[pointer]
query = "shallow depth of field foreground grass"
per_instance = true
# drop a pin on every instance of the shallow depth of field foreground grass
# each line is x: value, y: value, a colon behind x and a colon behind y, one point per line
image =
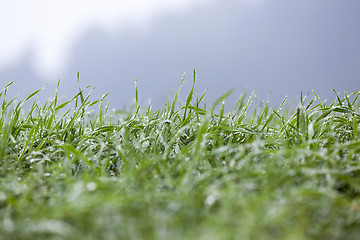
x: 187, y: 171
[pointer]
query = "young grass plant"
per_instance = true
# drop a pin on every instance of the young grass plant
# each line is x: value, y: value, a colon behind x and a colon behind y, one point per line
x: 186, y: 171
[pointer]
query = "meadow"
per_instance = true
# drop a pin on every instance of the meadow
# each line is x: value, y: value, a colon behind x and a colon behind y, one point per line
x: 75, y: 169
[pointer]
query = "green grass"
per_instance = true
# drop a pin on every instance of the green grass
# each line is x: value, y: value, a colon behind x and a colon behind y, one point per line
x: 189, y: 170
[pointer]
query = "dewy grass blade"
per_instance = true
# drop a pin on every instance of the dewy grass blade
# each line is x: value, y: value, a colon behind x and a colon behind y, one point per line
x: 357, y: 93
x: 56, y: 94
x: 243, y: 110
x: 80, y: 91
x: 137, y: 104
x: 34, y: 93
x: 338, y: 98
x: 222, y: 98
x: 174, y: 102
x: 347, y: 99
x: 320, y: 102
x: 62, y: 105
x: 190, y: 96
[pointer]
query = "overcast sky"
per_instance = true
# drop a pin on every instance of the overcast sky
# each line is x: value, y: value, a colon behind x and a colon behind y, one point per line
x: 279, y: 47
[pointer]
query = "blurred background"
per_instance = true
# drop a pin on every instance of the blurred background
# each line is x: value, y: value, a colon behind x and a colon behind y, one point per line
x: 278, y: 47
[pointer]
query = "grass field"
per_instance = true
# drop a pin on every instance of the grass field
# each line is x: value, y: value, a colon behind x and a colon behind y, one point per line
x: 190, y: 170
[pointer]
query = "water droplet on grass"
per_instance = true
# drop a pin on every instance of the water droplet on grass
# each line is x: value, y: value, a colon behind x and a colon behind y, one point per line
x: 91, y: 186
x: 2, y: 196
x: 210, y: 200
x: 8, y: 225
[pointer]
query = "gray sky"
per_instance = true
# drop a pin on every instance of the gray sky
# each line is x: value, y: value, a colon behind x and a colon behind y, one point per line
x: 279, y: 47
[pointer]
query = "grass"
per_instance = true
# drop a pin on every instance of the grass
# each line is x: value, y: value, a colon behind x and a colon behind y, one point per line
x: 187, y: 171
